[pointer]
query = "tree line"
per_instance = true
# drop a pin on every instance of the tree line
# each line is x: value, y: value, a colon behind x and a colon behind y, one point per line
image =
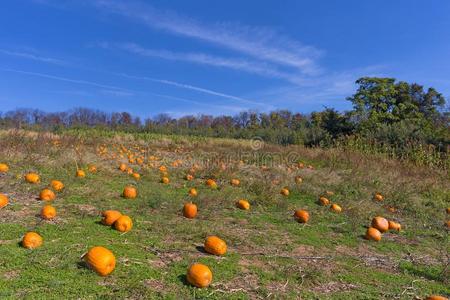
x: 385, y: 111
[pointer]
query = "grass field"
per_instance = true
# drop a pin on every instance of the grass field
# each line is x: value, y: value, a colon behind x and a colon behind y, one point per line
x: 270, y: 255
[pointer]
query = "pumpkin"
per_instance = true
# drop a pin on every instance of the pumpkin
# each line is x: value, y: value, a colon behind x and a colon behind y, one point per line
x: 189, y: 177
x: 101, y: 260
x: 31, y: 240
x: 199, y: 275
x: 129, y: 171
x: 92, y: 168
x: 380, y: 223
x: 193, y: 192
x: 301, y: 165
x: 298, y: 180
x: 436, y: 297
x: 235, y: 182
x: 243, y: 204
x: 301, y: 216
x: 136, y: 176
x: 48, y: 212
x: 47, y: 195
x: 394, y: 225
x: 129, y: 192
x: 336, y: 208
x: 284, y: 192
x: 324, y: 201
x: 123, y: 224
x: 378, y: 197
x: 216, y: 246
x: 4, y: 168
x: 162, y: 169
x: 80, y: 173
x: 189, y: 210
x: 448, y: 224
x: 32, y: 178
x: 122, y: 167
x: 3, y: 200
x: 211, y: 183
x: 448, y: 210
x: 165, y: 180
x: 110, y: 216
x: 57, y: 185
x: 373, y: 234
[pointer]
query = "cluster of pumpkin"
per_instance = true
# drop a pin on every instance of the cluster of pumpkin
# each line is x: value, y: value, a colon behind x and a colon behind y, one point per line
x: 380, y: 225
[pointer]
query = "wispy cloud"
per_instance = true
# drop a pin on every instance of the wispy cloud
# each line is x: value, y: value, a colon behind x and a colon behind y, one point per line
x: 222, y: 108
x: 261, y: 43
x: 77, y: 81
x: 254, y: 67
x: 32, y: 56
x: 194, y: 88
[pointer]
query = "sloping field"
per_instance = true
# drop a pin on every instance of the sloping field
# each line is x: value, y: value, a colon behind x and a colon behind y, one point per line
x: 270, y: 254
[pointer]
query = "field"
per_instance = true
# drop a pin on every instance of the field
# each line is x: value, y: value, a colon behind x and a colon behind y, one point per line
x: 270, y: 254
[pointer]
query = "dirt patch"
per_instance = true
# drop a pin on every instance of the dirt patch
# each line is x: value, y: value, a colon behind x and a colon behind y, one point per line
x: 333, y: 287
x: 10, y: 275
x: 154, y: 285
x: 247, y: 283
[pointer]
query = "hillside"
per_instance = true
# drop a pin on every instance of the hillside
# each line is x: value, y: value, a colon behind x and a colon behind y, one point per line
x: 270, y: 255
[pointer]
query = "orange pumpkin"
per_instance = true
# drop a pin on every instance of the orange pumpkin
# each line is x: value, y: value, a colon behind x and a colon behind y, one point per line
x: 394, y: 225
x: 32, y: 178
x: 324, y: 201
x: 3, y: 200
x: 129, y: 192
x: 336, y: 208
x: 301, y: 216
x: 298, y: 180
x: 243, y: 204
x: 110, y: 216
x: 448, y: 210
x: 189, y: 177
x: 284, y: 192
x: 378, y: 197
x: 199, y: 275
x: 193, y: 192
x: 92, y: 168
x: 380, y: 223
x: 373, y: 234
x: 80, y: 173
x: 31, y: 240
x: 122, y: 167
x: 165, y: 180
x: 162, y: 168
x: 436, y: 297
x: 57, y: 185
x: 48, y: 212
x: 211, y: 183
x: 235, y: 182
x: 190, y: 210
x: 136, y: 176
x: 4, y: 168
x: 123, y: 224
x: 47, y: 195
x: 215, y: 245
x: 101, y: 260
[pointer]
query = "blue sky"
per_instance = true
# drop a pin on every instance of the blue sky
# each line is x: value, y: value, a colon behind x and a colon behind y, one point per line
x: 214, y: 57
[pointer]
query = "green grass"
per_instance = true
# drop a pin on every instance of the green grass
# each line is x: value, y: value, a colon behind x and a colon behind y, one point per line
x: 270, y: 255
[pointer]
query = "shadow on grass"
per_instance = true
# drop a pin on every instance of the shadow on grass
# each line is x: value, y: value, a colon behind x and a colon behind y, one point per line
x: 183, y: 279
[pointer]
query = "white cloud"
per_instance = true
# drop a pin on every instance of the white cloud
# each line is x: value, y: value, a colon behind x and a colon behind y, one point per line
x: 33, y: 57
x: 261, y: 43
x: 194, y: 88
x: 77, y: 81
